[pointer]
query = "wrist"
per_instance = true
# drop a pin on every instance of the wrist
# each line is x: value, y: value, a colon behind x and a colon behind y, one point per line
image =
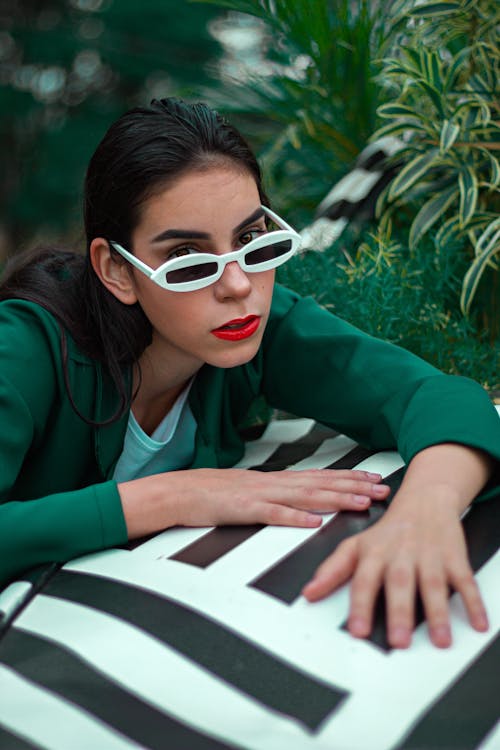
x: 144, y: 507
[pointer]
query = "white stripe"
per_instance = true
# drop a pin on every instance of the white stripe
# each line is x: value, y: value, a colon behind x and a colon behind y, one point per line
x: 492, y: 739
x: 384, y: 463
x: 331, y: 449
x: 162, y: 677
x: 354, y: 187
x: 277, y: 433
x: 322, y: 233
x: 52, y: 722
x: 13, y: 596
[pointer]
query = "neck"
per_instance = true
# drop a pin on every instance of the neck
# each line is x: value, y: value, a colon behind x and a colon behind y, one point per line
x: 157, y: 388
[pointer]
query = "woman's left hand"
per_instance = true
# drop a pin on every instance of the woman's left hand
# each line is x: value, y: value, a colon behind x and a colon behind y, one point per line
x: 418, y: 545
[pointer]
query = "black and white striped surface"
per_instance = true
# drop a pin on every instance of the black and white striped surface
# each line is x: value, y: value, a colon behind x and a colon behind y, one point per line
x: 199, y: 639
x: 354, y: 196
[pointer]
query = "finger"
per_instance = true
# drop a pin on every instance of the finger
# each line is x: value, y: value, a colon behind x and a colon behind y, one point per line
x: 365, y: 586
x: 434, y: 593
x: 333, y: 572
x: 462, y: 579
x: 312, y: 497
x: 329, y: 475
x: 352, y: 486
x: 400, y: 588
x: 276, y: 514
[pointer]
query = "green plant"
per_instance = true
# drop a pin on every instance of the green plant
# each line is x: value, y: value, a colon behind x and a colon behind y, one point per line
x: 309, y: 103
x: 443, y: 76
x: 405, y: 296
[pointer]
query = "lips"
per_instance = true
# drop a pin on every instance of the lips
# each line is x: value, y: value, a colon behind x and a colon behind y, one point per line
x: 238, y: 329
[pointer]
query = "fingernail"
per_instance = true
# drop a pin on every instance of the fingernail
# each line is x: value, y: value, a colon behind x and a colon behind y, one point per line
x: 313, y: 520
x: 372, y: 476
x: 481, y: 622
x: 379, y: 489
x: 400, y: 637
x: 441, y: 635
x: 361, y: 500
x: 358, y: 627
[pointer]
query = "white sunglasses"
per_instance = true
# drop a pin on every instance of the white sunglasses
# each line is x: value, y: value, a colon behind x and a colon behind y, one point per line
x: 190, y: 272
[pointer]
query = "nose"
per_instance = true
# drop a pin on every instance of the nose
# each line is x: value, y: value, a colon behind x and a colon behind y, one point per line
x: 234, y: 283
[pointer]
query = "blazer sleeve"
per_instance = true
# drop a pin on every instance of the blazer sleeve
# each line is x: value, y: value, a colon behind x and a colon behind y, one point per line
x: 57, y: 526
x: 319, y: 366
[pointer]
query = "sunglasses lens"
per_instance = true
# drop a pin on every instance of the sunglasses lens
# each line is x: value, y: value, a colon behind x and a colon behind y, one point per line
x: 273, y: 251
x: 191, y: 273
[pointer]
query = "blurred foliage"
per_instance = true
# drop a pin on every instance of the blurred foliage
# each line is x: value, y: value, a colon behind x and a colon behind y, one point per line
x: 68, y: 68
x: 444, y: 78
x: 309, y: 101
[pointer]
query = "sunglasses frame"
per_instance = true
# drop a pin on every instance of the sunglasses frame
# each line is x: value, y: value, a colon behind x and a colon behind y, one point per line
x: 159, y: 275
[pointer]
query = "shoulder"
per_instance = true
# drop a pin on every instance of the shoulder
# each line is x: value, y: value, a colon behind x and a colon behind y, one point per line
x: 304, y: 318
x: 28, y: 329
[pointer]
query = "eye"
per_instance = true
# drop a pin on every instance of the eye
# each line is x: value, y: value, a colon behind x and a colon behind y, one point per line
x: 250, y: 234
x: 179, y: 252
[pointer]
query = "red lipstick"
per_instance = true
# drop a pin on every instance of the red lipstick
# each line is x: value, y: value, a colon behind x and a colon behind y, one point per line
x: 238, y: 329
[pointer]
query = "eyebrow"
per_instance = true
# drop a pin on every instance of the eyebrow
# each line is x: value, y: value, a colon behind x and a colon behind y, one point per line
x: 194, y: 234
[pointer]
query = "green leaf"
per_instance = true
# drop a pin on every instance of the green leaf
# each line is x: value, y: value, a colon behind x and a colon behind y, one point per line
x: 495, y: 170
x: 430, y: 213
x: 456, y: 67
x: 449, y: 134
x: 395, y: 110
x: 435, y: 9
x: 399, y: 126
x: 433, y: 95
x: 489, y: 242
x: 432, y: 66
x: 412, y: 172
x: 451, y: 230
x: 468, y: 184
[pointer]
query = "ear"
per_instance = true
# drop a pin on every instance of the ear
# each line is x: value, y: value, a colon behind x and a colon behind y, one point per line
x: 113, y: 271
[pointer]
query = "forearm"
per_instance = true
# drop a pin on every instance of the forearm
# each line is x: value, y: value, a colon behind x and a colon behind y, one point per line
x: 57, y: 528
x: 448, y: 472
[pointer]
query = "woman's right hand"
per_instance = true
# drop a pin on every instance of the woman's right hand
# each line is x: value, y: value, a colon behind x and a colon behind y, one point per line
x: 216, y: 497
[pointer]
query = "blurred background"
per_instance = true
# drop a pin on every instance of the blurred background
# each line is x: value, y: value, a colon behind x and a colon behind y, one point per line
x: 310, y: 84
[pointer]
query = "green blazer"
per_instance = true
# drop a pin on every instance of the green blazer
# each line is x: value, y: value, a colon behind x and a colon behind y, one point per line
x: 58, y: 500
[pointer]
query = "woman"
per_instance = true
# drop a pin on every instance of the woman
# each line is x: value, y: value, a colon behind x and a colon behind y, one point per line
x: 124, y: 382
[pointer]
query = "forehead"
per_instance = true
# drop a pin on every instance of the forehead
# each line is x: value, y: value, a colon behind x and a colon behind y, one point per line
x: 202, y: 198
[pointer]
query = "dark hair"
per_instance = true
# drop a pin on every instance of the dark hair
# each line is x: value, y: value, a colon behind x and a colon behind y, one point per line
x: 143, y: 152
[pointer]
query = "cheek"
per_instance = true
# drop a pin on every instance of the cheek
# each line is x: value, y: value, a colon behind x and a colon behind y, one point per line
x: 266, y: 284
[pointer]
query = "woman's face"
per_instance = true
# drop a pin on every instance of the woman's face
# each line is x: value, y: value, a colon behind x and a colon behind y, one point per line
x: 215, y: 210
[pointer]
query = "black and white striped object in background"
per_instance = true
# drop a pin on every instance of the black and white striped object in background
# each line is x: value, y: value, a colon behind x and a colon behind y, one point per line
x: 199, y: 639
x: 353, y: 197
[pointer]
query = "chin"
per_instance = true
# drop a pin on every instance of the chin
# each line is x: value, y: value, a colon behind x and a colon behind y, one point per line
x: 235, y: 356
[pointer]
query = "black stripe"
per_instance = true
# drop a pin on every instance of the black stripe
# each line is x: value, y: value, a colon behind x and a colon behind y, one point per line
x: 297, y: 450
x: 59, y: 670
x: 466, y: 713
x: 352, y: 458
x: 482, y: 531
x: 246, y: 666
x: 10, y: 741
x: 202, y: 552
x: 285, y: 580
